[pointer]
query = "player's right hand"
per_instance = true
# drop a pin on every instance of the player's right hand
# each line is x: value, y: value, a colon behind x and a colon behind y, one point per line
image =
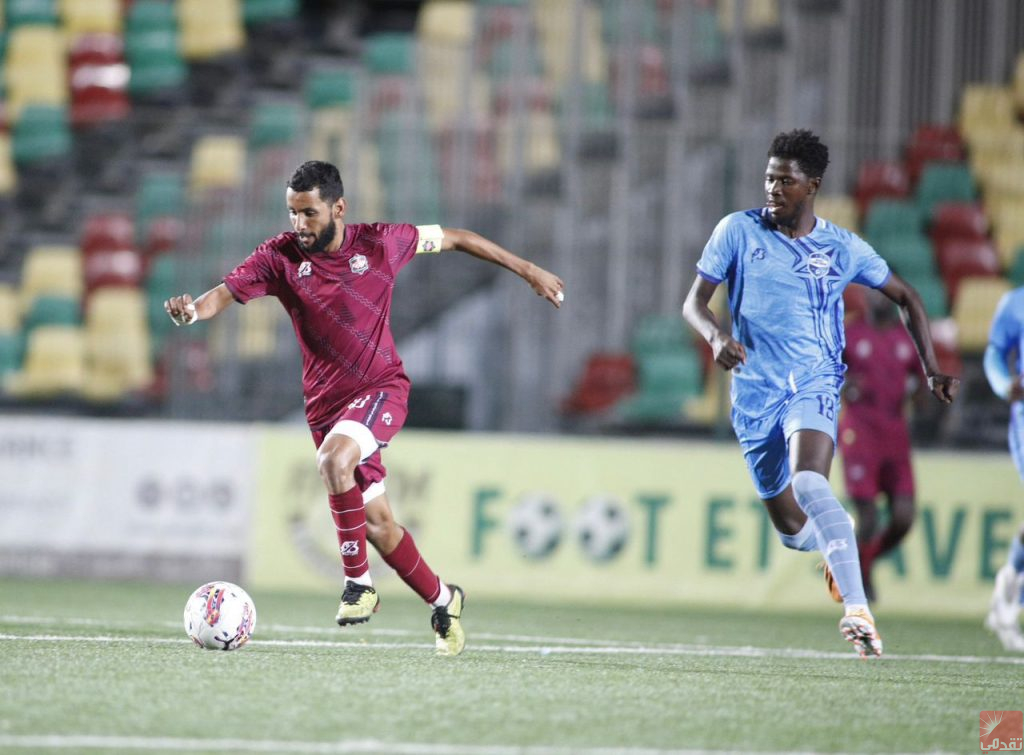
x: 944, y: 387
x: 181, y: 309
x: 728, y: 351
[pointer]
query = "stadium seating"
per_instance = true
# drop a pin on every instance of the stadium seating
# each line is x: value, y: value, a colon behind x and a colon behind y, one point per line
x: 158, y: 70
x: 99, y: 80
x: 607, y: 377
x: 51, y: 271
x: 838, y: 209
x: 35, y: 69
x: 909, y: 254
x: 666, y: 381
x: 932, y: 142
x: 880, y: 179
x: 973, y: 309
x: 90, y: 17
x: 210, y: 28
x: 30, y: 12
x: 256, y: 12
x: 217, y: 162
x: 42, y: 136
x: 892, y: 217
x: 958, y: 220
x: 54, y: 364
x: 944, y: 182
x: 117, y: 344
x: 964, y: 258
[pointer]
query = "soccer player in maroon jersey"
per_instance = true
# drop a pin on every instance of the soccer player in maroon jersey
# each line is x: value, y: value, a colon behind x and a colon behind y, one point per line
x: 335, y: 280
x: 874, y: 438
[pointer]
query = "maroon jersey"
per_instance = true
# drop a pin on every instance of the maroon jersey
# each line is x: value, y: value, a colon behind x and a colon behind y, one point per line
x: 340, y: 306
x: 879, y: 362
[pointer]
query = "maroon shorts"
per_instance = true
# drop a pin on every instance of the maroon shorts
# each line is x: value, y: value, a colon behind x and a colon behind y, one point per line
x: 876, y: 461
x: 382, y: 413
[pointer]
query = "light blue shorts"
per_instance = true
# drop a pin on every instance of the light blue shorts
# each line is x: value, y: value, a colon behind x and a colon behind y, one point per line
x: 1016, y: 436
x: 765, y: 438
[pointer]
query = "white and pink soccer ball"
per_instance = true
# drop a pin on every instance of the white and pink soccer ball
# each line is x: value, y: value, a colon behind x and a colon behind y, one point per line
x: 220, y: 616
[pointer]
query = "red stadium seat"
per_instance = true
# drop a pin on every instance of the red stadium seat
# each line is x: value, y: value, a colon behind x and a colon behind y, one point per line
x: 606, y: 378
x: 880, y: 178
x: 96, y: 50
x: 961, y: 258
x: 962, y: 220
x: 933, y: 143
x: 107, y: 231
x: 112, y: 267
x: 98, y: 79
x: 164, y: 234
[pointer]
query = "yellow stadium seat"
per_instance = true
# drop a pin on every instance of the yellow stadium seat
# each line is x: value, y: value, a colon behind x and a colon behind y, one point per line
x: 10, y: 309
x: 1009, y: 230
x: 758, y: 15
x: 117, y: 343
x: 54, y: 363
x: 257, y: 329
x: 555, y: 23
x: 973, y: 309
x: 217, y: 162
x: 838, y: 209
x: 984, y: 106
x: 1018, y: 83
x: 51, y: 270
x: 8, y: 173
x: 35, y: 68
x: 210, y: 28
x: 91, y: 16
x: 446, y: 21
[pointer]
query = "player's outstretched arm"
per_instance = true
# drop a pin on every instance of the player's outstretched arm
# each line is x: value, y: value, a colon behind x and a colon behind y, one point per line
x: 943, y: 387
x: 727, y: 350
x: 184, y: 311
x: 544, y: 283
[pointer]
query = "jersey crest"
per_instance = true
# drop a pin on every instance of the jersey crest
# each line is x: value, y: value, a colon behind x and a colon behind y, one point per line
x: 358, y: 264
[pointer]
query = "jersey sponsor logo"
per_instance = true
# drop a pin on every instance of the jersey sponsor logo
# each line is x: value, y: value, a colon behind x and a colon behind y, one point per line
x: 306, y: 268
x: 350, y: 548
x: 819, y: 264
x: 359, y: 403
x: 358, y: 264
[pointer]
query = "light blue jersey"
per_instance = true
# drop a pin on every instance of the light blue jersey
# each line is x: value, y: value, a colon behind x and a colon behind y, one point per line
x: 786, y: 300
x: 1006, y: 336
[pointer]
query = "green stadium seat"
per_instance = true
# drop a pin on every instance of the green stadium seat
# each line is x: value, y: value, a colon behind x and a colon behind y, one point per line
x: 944, y: 182
x: 330, y: 88
x: 667, y: 380
x: 41, y: 134
x: 1016, y: 270
x: 656, y: 334
x: 909, y: 254
x: 933, y: 294
x: 146, y: 15
x: 12, y: 348
x: 25, y: 12
x: 275, y: 124
x: 155, y: 61
x: 390, y: 53
x: 160, y: 194
x: 52, y: 310
x: 261, y: 11
x: 892, y: 217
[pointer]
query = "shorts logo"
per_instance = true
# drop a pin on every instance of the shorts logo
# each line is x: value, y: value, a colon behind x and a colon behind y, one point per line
x: 387, y: 418
x: 358, y: 264
x: 306, y: 268
x: 350, y: 548
x: 1001, y: 730
x: 359, y: 403
x: 839, y: 544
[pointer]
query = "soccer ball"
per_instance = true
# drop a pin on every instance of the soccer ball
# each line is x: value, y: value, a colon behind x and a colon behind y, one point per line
x: 602, y: 528
x: 535, y: 525
x: 220, y: 616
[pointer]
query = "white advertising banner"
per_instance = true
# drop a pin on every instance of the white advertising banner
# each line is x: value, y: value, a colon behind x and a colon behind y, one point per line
x: 124, y: 499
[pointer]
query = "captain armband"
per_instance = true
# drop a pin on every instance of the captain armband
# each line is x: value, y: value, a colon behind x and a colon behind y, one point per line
x: 430, y: 239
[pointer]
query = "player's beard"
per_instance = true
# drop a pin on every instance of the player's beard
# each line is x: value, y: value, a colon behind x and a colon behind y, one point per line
x: 324, y: 240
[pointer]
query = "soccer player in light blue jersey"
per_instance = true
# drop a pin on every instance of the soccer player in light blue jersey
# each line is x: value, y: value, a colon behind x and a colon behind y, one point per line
x: 786, y: 271
x: 1006, y: 349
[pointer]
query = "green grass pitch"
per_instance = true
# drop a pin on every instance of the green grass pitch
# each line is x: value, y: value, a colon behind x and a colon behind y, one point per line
x: 106, y: 667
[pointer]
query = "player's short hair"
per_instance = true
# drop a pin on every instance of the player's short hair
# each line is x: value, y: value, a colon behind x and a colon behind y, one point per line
x: 316, y: 174
x: 804, y: 147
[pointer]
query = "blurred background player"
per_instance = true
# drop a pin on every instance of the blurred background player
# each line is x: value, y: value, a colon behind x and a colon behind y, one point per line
x: 786, y: 272
x: 874, y: 436
x: 336, y: 282
x: 1003, y: 370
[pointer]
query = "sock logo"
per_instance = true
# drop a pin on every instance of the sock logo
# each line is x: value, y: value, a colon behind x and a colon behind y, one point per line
x: 1001, y: 730
x: 839, y: 544
x: 350, y: 548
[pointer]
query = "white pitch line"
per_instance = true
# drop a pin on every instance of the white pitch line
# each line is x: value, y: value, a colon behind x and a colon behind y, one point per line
x: 708, y: 651
x: 175, y: 744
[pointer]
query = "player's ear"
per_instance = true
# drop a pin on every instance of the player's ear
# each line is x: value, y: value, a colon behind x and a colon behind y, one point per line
x: 815, y: 184
x: 338, y: 211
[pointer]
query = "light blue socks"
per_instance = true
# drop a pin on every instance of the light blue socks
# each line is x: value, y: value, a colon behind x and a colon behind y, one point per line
x: 804, y: 540
x: 1017, y: 559
x: 833, y: 533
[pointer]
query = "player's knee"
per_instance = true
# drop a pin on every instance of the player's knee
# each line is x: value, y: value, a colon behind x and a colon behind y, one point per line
x: 337, y: 465
x: 807, y: 483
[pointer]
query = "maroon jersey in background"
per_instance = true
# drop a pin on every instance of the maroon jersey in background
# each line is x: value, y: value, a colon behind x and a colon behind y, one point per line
x: 873, y: 435
x: 340, y: 305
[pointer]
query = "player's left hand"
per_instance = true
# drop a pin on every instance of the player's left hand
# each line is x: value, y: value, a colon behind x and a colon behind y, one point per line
x: 944, y: 387
x: 546, y: 284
